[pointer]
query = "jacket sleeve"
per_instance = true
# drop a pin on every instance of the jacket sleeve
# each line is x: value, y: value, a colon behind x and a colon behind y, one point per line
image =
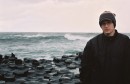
x: 127, y: 63
x: 85, y: 70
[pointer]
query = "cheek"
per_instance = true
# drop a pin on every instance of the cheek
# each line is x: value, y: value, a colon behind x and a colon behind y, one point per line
x: 112, y: 26
x: 102, y: 28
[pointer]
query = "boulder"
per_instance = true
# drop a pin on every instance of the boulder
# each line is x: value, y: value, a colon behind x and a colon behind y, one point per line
x: 35, y: 63
x: 21, y: 73
x: 18, y: 62
x: 9, y: 77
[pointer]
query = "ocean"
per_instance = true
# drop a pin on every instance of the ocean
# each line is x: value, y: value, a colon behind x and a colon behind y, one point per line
x: 40, y: 45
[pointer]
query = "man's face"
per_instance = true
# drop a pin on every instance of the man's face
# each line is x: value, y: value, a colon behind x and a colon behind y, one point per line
x: 107, y: 27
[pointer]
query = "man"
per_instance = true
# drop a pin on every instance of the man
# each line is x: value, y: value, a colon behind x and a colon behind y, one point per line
x: 106, y: 58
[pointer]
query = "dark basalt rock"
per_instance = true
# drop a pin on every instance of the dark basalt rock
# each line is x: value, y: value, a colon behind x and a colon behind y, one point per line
x: 5, y: 61
x: 1, y: 58
x: 53, y: 73
x: 40, y: 67
x: 43, y: 71
x: 1, y: 77
x: 56, y: 60
x: 18, y: 62
x: 27, y: 60
x: 12, y: 66
x: 12, y: 57
x: 2, y: 82
x: 72, y: 66
x: 31, y: 72
x: 60, y: 64
x: 63, y: 71
x: 9, y: 77
x: 6, y: 57
x: 76, y: 81
x: 68, y: 61
x: 20, y: 81
x: 65, y: 80
x: 77, y: 76
x: 54, y: 79
x: 70, y: 75
x: 35, y: 63
x: 21, y: 73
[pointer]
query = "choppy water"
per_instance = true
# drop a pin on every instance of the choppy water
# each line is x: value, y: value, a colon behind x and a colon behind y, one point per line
x: 43, y: 45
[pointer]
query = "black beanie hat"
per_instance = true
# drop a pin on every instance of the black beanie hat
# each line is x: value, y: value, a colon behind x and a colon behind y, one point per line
x: 107, y: 16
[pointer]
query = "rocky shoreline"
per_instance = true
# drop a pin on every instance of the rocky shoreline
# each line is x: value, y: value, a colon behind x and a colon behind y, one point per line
x: 64, y: 70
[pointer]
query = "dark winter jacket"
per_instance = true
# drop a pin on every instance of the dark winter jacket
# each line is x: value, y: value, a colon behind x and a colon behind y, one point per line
x: 106, y: 60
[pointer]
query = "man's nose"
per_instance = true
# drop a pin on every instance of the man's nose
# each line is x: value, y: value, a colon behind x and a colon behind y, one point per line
x: 106, y: 25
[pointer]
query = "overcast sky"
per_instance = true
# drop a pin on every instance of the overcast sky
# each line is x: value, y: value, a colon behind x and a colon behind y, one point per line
x: 61, y: 15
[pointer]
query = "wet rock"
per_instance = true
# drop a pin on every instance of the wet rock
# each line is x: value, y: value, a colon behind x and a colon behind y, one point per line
x: 64, y: 57
x: 20, y: 81
x: 35, y: 63
x: 77, y: 76
x: 1, y: 58
x: 80, y: 54
x: 20, y: 67
x: 45, y: 61
x: 41, y: 61
x: 12, y: 57
x: 40, y: 73
x: 48, y: 68
x: 40, y: 67
x: 18, y: 62
x: 9, y: 77
x: 6, y: 57
x: 1, y: 77
x: 71, y: 66
x: 77, y: 58
x: 53, y: 73
x: 46, y: 76
x: 70, y: 75
x: 27, y: 60
x: 68, y: 61
x: 56, y: 60
x: 76, y: 81
x: 28, y: 65
x: 40, y: 79
x: 60, y: 64
x: 2, y: 82
x: 63, y: 71
x: 4, y: 70
x: 32, y: 82
x: 54, y: 80
x: 65, y: 80
x: 12, y: 66
x: 31, y: 71
x: 45, y: 81
x: 21, y: 73
x: 5, y: 61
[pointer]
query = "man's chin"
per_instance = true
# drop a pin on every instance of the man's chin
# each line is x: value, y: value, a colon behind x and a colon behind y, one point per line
x: 107, y: 32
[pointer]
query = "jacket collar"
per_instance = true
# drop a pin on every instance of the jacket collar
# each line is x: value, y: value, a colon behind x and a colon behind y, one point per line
x: 110, y: 37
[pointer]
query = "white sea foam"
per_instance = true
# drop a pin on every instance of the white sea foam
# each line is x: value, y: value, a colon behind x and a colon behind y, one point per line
x: 43, y: 45
x: 31, y: 36
x: 76, y: 37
